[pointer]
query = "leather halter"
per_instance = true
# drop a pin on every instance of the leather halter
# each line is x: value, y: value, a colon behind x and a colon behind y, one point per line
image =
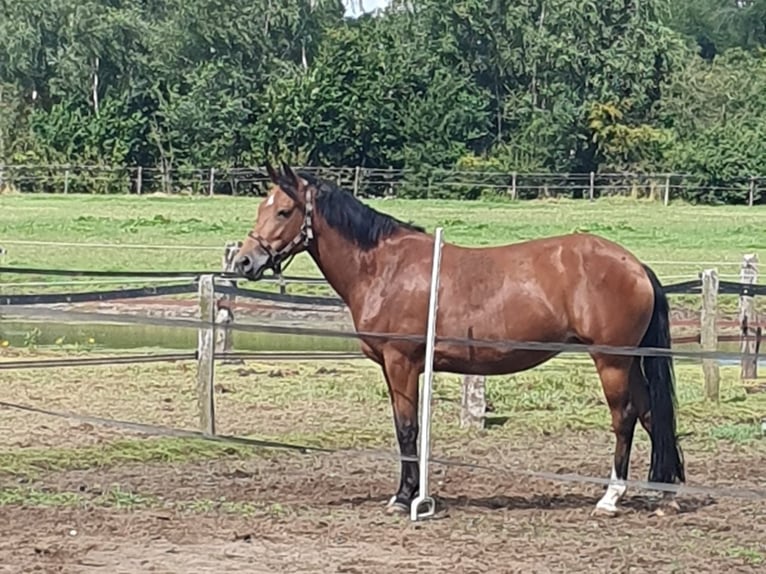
x: 303, y: 239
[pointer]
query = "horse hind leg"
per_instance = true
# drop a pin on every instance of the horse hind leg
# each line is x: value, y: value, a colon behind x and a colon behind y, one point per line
x: 640, y: 394
x: 615, y: 374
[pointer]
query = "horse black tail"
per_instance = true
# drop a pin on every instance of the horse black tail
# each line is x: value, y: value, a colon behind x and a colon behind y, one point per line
x: 667, y: 464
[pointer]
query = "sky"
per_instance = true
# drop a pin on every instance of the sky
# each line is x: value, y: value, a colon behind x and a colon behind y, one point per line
x: 352, y: 6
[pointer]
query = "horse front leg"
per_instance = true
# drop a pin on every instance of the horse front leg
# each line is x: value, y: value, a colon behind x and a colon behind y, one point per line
x: 402, y: 379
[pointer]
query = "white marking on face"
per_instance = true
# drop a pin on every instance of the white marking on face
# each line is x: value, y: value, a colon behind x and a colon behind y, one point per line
x: 270, y: 201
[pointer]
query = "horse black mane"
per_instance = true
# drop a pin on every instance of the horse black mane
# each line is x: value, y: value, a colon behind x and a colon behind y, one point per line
x: 353, y: 219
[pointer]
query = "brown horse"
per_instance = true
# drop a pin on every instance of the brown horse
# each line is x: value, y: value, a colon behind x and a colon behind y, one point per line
x: 573, y: 288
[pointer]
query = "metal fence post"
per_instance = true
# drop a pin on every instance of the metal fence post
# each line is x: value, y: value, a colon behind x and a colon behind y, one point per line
x: 423, y: 498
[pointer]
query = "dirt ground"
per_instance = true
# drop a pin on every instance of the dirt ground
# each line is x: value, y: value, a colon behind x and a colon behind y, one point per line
x: 324, y: 513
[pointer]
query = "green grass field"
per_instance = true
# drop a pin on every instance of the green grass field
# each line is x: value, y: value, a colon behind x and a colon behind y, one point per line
x: 678, y: 240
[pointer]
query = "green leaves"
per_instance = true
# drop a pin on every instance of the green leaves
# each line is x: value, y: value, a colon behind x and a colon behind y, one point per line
x: 717, y: 26
x: 718, y: 113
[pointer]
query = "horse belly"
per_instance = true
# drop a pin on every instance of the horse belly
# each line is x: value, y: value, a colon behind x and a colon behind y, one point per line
x: 490, y: 350
x: 488, y: 362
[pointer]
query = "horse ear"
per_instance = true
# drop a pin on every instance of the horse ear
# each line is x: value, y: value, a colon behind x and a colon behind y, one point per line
x: 291, y: 176
x: 291, y: 183
x: 273, y: 175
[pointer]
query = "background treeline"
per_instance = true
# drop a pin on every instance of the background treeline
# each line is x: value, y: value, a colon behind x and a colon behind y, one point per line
x: 507, y: 85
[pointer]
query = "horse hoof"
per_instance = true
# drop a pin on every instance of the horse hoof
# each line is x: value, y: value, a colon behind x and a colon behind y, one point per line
x: 668, y: 508
x: 397, y: 509
x: 394, y: 506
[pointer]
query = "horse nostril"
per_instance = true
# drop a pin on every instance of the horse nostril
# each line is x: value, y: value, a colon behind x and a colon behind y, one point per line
x: 245, y: 264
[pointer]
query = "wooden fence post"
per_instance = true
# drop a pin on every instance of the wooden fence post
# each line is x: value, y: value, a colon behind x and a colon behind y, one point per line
x: 708, y: 333
x: 473, y: 405
x: 225, y: 304
x: 165, y: 175
x: 211, y: 182
x: 748, y: 318
x: 666, y: 197
x: 66, y: 180
x: 357, y: 177
x: 751, y: 193
x: 514, y: 191
x: 206, y: 355
x: 592, y: 186
x: 139, y: 180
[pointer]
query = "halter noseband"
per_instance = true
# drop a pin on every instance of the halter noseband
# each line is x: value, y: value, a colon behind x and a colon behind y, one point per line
x: 303, y: 239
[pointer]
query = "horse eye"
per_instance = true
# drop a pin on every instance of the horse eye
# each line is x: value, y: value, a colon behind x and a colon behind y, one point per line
x: 283, y: 212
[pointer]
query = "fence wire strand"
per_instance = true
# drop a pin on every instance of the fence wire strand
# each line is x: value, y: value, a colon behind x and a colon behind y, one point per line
x: 87, y: 282
x: 138, y: 246
x: 10, y: 365
x: 155, y: 274
x: 218, y: 249
x: 97, y: 361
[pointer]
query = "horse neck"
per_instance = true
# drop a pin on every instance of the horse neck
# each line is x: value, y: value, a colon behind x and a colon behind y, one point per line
x: 343, y: 263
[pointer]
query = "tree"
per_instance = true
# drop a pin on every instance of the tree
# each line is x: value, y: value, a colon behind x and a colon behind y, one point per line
x: 718, y: 112
x: 717, y: 26
x: 529, y: 85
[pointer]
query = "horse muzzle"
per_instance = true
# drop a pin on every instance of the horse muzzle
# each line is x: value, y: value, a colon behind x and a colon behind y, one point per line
x: 252, y: 265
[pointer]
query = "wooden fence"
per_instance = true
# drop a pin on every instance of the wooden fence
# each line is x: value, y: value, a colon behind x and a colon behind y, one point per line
x: 367, y: 181
x: 217, y: 307
x: 473, y: 393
